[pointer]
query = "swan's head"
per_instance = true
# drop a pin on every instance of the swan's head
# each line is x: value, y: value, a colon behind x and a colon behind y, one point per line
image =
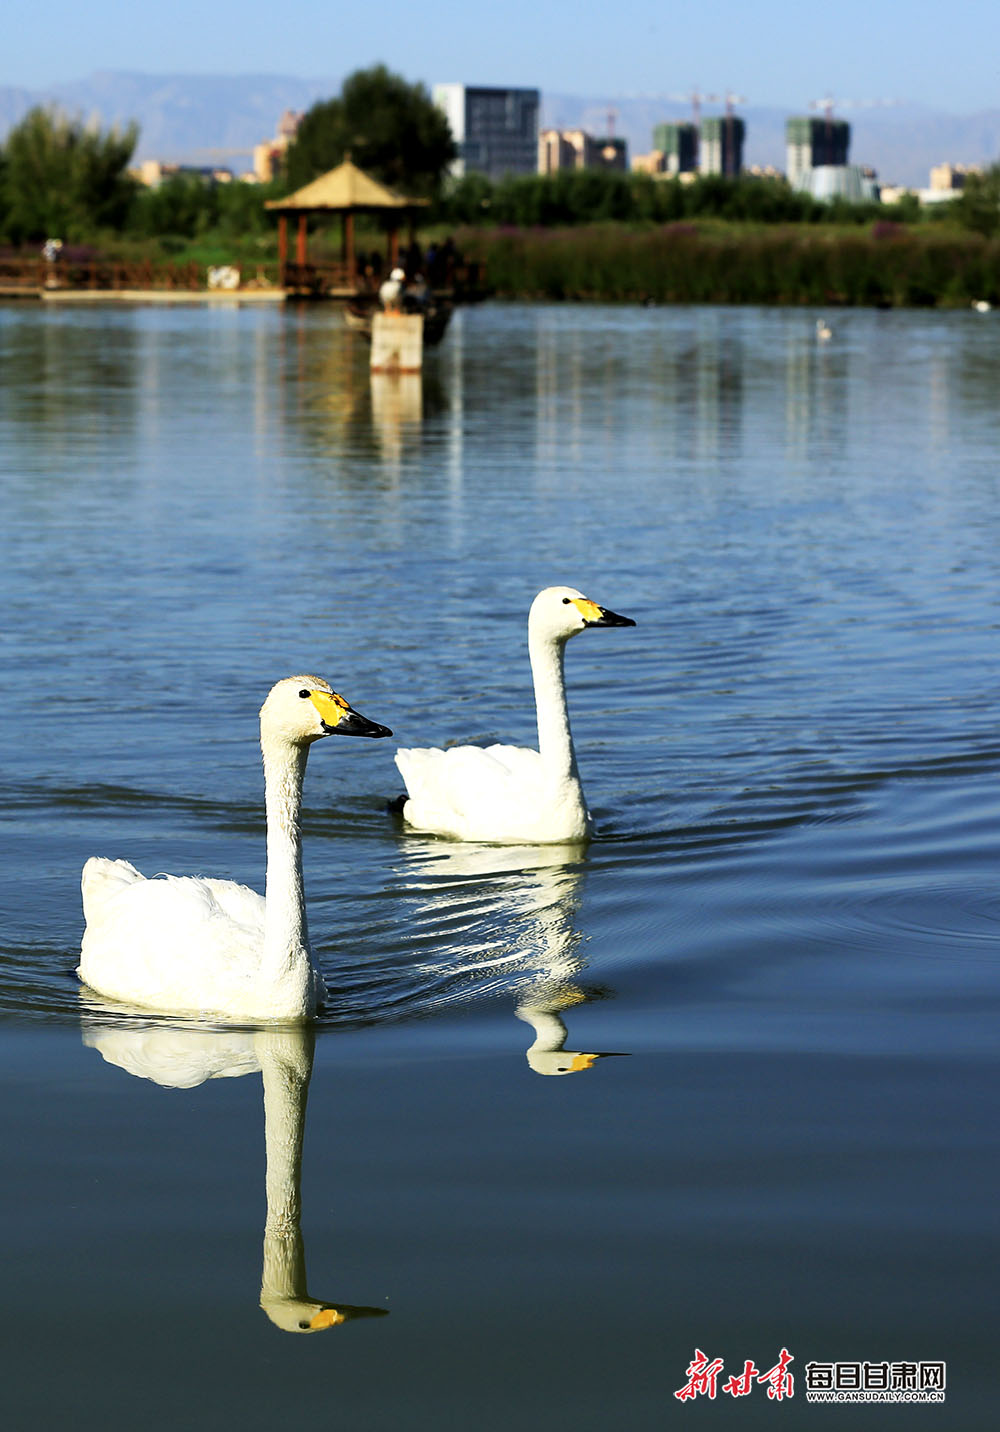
x: 305, y: 1315
x: 301, y: 709
x: 560, y: 612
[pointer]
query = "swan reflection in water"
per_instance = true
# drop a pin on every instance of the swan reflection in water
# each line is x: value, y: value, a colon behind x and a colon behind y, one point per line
x: 518, y: 904
x: 179, y: 1058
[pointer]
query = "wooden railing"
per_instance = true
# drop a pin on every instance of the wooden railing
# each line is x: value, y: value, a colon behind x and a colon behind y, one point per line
x: 103, y: 275
x: 314, y: 280
x: 319, y: 280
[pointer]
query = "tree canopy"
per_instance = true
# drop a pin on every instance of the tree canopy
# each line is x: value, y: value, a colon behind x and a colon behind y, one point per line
x: 61, y: 178
x: 389, y: 127
x: 978, y: 206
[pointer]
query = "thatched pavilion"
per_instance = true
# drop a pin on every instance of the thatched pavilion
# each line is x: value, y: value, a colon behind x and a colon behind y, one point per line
x: 346, y: 190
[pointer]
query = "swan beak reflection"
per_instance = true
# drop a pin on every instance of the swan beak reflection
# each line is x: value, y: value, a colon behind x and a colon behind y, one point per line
x: 584, y: 1061
x: 339, y: 718
x: 333, y: 1318
x: 596, y: 616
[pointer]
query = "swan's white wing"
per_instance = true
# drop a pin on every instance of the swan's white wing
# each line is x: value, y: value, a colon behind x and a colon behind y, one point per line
x: 466, y: 788
x: 178, y: 943
x: 239, y: 902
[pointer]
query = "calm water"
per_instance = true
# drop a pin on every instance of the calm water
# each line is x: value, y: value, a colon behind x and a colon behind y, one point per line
x: 789, y: 923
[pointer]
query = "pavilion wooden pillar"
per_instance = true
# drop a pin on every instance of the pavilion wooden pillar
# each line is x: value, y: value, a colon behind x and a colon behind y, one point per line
x: 300, y: 242
x: 347, y: 248
x: 282, y: 248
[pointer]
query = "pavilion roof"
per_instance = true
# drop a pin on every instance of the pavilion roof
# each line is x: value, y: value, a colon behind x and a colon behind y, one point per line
x: 344, y: 188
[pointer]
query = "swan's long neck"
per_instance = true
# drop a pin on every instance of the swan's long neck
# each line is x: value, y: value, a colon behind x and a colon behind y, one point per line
x: 285, y: 968
x: 550, y: 1031
x: 286, y: 1064
x: 555, y: 743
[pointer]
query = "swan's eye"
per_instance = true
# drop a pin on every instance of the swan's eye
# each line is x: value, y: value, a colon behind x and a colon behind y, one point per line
x: 565, y: 601
x: 304, y: 694
x: 303, y: 1327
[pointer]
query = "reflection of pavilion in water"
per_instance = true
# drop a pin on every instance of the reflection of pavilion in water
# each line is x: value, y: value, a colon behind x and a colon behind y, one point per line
x: 181, y: 1058
x: 329, y: 396
x: 522, y: 901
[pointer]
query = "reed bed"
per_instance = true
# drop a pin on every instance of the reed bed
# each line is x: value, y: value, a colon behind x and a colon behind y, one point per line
x: 887, y: 265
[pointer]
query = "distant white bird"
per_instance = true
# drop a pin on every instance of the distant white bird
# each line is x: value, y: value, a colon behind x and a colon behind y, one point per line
x: 195, y: 945
x: 823, y: 330
x: 391, y: 292
x: 510, y: 794
x: 981, y: 305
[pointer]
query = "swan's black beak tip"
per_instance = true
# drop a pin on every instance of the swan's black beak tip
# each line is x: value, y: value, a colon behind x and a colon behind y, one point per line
x: 354, y: 724
x: 611, y: 619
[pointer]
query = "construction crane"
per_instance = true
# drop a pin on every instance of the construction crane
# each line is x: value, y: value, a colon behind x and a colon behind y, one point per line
x: 695, y: 98
x: 827, y: 105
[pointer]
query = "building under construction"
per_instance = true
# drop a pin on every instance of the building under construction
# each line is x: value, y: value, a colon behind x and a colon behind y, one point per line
x: 678, y: 144
x: 721, y: 147
x: 814, y: 144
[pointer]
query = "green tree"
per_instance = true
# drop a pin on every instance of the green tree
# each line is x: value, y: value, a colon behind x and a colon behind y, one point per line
x: 60, y: 178
x: 390, y: 128
x: 978, y: 206
x: 182, y: 205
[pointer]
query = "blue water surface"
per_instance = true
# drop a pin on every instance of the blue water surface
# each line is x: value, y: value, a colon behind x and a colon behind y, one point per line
x: 786, y: 930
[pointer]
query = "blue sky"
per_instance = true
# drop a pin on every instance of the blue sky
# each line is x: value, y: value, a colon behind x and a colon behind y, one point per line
x: 773, y: 52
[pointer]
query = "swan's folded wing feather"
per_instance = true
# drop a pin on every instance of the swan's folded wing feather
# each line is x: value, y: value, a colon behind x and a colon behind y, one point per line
x: 447, y: 787
x: 239, y: 902
x: 151, y: 942
x: 101, y: 882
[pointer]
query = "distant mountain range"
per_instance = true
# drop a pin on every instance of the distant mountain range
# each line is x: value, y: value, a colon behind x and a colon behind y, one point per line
x: 219, y: 118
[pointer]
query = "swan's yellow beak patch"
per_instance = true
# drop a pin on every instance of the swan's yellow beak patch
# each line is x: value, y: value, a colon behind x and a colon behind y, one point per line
x: 327, y: 1318
x: 583, y: 1061
x: 590, y: 611
x: 330, y: 706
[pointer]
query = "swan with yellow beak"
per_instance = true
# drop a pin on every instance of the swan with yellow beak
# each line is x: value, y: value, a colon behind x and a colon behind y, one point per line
x: 195, y: 945
x: 513, y: 795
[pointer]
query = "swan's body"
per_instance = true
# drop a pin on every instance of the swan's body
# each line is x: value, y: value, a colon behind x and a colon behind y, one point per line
x: 823, y: 330
x: 191, y: 945
x: 510, y: 794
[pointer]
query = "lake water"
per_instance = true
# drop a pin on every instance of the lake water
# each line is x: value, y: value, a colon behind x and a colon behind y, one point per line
x: 787, y: 927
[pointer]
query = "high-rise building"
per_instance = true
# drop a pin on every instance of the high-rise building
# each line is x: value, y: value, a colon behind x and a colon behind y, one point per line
x: 814, y: 144
x: 678, y: 143
x: 720, y: 150
x: 576, y: 149
x: 495, y: 130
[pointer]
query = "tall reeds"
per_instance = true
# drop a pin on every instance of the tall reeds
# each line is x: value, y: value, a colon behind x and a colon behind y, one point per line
x: 887, y: 265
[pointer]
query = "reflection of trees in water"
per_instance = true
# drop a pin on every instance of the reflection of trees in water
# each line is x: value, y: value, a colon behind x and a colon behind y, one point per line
x: 181, y: 1058
x: 69, y: 377
x: 693, y: 361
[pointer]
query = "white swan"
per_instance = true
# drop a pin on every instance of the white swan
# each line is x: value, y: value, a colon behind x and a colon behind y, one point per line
x: 510, y: 794
x: 190, y: 945
x: 823, y: 330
